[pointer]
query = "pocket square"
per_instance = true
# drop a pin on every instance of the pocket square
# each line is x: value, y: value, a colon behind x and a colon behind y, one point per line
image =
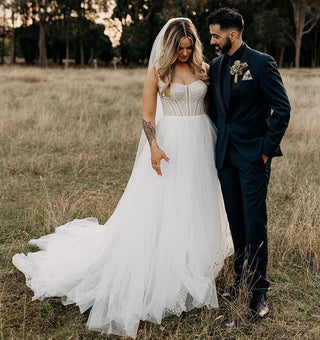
x: 247, y: 76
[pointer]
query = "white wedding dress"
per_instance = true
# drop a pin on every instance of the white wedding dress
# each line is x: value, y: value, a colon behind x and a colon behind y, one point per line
x: 164, y: 245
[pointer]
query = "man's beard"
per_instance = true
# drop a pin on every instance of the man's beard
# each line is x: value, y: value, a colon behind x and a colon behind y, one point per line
x: 224, y: 48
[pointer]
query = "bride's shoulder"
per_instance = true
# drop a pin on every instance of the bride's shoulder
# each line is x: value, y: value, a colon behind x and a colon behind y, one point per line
x: 156, y: 69
x: 152, y: 76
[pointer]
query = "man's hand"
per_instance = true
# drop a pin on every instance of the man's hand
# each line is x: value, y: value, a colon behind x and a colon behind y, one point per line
x: 265, y: 158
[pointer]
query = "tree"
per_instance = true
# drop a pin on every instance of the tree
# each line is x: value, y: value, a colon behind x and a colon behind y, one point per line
x: 306, y: 14
x: 26, y: 36
x: 66, y: 7
x: 134, y: 16
x: 46, y: 10
x: 4, y: 28
x: 14, y: 8
x: 315, y: 49
x: 18, y: 8
x: 42, y: 6
x: 270, y: 36
x: 27, y: 39
x: 83, y: 9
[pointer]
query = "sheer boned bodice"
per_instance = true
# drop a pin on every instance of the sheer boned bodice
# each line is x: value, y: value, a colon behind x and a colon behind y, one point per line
x: 184, y: 100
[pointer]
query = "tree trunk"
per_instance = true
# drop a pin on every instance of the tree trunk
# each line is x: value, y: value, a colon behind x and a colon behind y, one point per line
x: 43, y: 62
x: 13, y: 41
x: 3, y: 36
x: 13, y: 47
x: 66, y: 29
x: 314, y: 54
x: 81, y: 51
x: 2, y: 50
x: 81, y: 34
x: 67, y: 54
x: 305, y: 16
x: 298, y: 50
x: 66, y: 65
x: 317, y: 56
x: 281, y: 57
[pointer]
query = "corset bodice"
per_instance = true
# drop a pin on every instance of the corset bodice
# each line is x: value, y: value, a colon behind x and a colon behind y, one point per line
x: 184, y: 100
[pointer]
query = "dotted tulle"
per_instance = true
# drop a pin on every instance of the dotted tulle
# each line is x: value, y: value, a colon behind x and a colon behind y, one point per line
x: 164, y: 245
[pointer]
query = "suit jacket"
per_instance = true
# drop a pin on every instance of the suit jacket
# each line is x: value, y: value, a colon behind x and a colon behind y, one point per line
x: 246, y: 121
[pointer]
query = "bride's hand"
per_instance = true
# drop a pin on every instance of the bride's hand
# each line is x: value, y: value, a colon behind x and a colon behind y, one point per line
x: 156, y: 155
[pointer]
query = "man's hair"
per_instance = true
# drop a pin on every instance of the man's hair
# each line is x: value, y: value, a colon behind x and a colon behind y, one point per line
x: 226, y: 18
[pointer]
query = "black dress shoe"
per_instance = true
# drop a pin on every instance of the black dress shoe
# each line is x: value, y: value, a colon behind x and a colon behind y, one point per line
x: 258, y: 305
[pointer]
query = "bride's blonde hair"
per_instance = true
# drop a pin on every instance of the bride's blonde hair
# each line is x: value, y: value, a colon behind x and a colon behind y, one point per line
x: 174, y: 34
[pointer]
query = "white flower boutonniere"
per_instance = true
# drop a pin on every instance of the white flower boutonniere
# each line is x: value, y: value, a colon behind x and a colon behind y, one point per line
x: 237, y: 69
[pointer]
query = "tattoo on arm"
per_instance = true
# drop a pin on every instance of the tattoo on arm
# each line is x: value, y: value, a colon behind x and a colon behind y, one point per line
x: 149, y: 130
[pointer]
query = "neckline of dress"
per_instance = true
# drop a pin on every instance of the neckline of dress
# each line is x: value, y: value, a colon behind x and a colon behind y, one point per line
x: 187, y: 84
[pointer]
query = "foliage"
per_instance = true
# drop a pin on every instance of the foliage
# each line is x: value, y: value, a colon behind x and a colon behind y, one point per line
x: 272, y: 26
x: 268, y: 24
x: 97, y: 44
x: 27, y: 38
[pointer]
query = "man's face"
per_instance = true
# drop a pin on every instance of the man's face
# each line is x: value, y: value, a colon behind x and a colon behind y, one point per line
x: 220, y: 39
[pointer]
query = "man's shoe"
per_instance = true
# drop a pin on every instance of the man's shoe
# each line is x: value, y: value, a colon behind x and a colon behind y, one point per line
x: 258, y: 305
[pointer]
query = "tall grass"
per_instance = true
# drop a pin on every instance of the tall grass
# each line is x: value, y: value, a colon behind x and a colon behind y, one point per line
x: 67, y: 146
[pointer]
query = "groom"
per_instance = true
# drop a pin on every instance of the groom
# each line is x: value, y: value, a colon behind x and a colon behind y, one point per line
x: 245, y: 88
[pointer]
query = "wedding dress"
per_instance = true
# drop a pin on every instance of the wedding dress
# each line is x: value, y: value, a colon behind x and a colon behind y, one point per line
x: 164, y: 245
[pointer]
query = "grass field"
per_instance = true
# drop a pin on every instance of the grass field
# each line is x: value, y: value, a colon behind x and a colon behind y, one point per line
x: 67, y: 146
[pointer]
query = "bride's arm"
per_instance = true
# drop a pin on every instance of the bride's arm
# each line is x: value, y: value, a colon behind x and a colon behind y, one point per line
x: 149, y: 105
x: 206, y: 98
x: 208, y: 101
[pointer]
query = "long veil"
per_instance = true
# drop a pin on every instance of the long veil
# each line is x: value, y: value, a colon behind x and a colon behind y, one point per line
x: 154, y: 56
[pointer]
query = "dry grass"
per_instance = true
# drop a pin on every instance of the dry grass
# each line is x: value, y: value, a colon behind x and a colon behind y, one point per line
x: 67, y: 146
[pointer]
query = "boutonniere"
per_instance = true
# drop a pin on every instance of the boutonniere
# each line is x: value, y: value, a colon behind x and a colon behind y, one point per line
x: 237, y: 69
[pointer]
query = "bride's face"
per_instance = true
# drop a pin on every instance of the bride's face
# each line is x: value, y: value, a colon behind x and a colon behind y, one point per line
x: 184, y: 50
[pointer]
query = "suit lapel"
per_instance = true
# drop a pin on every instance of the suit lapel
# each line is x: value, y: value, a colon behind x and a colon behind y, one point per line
x: 218, y: 87
x: 235, y: 90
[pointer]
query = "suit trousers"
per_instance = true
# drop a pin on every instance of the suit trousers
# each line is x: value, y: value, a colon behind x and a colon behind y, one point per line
x: 244, y: 187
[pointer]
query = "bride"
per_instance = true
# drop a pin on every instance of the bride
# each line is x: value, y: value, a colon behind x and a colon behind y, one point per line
x: 164, y: 245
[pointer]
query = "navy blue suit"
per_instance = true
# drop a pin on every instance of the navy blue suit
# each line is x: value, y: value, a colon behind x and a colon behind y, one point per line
x: 246, y: 129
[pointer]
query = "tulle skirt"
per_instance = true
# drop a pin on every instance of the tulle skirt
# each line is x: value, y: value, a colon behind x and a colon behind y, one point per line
x: 160, y: 251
